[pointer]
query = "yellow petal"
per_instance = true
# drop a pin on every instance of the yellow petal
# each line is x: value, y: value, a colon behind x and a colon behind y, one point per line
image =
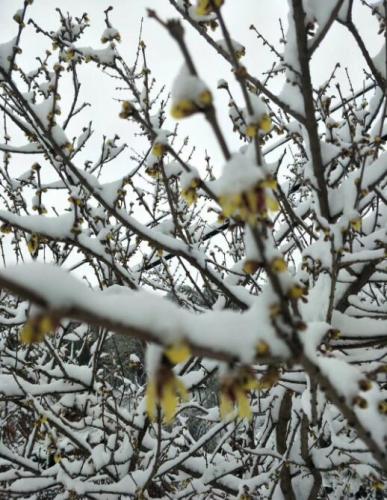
x: 262, y: 348
x: 183, y: 108
x: 36, y: 329
x: 33, y: 244
x: 356, y: 224
x: 225, y: 406
x: 296, y: 292
x: 178, y: 352
x: 169, y: 401
x: 272, y: 204
x: 158, y: 150
x: 6, y: 228
x: 46, y: 325
x: 244, y: 408
x: 181, y: 390
x: 205, y: 7
x: 251, y: 130
x: 251, y: 384
x: 189, y: 195
x: 278, y: 265
x: 27, y: 334
x: 205, y: 98
x: 250, y: 266
x: 230, y: 203
x: 269, y: 183
x: 265, y: 124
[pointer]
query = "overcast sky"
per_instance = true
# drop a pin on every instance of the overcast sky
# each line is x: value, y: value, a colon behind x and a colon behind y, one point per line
x: 165, y: 60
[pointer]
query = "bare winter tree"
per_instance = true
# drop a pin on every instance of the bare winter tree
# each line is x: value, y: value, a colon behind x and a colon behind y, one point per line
x: 190, y: 329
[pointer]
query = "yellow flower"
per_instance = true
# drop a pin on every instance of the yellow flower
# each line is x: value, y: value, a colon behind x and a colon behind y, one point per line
x: 69, y: 55
x: 164, y: 392
x: 278, y: 265
x: 188, y: 107
x: 244, y: 408
x: 251, y: 130
x: 153, y: 171
x: 225, y: 405
x: 33, y: 244
x: 271, y: 203
x: 251, y: 266
x: 6, y: 228
x: 41, y: 421
x: 158, y: 149
x: 183, y: 108
x: 37, y: 328
x: 178, y: 352
x: 205, y: 98
x: 234, y: 394
x: 265, y: 124
x: 356, y: 224
x: 240, y: 53
x: 250, y: 204
x: 189, y: 195
x: 296, y: 292
x: 205, y: 7
x: 262, y: 348
x: 382, y: 407
x: 127, y: 110
x: 378, y: 485
x: 269, y: 183
x: 230, y: 203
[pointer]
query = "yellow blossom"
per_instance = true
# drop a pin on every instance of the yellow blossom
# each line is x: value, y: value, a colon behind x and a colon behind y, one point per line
x: 178, y: 352
x: 6, y: 228
x: 189, y: 195
x: 296, y: 292
x: 378, y: 485
x: 356, y: 224
x: 382, y: 407
x: 251, y: 266
x: 205, y: 98
x: 251, y: 130
x: 164, y: 392
x: 33, y: 244
x: 272, y: 204
x: 205, y: 7
x: 234, y: 394
x: 262, y: 348
x: 240, y: 53
x: 225, y: 405
x: 183, y: 108
x: 153, y: 171
x: 127, y: 110
x: 278, y: 265
x: 69, y: 55
x: 265, y: 124
x: 269, y: 183
x: 37, y: 328
x: 158, y: 149
x: 230, y: 203
x: 188, y: 107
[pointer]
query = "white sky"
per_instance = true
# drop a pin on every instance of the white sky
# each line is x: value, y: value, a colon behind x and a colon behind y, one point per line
x: 164, y: 58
